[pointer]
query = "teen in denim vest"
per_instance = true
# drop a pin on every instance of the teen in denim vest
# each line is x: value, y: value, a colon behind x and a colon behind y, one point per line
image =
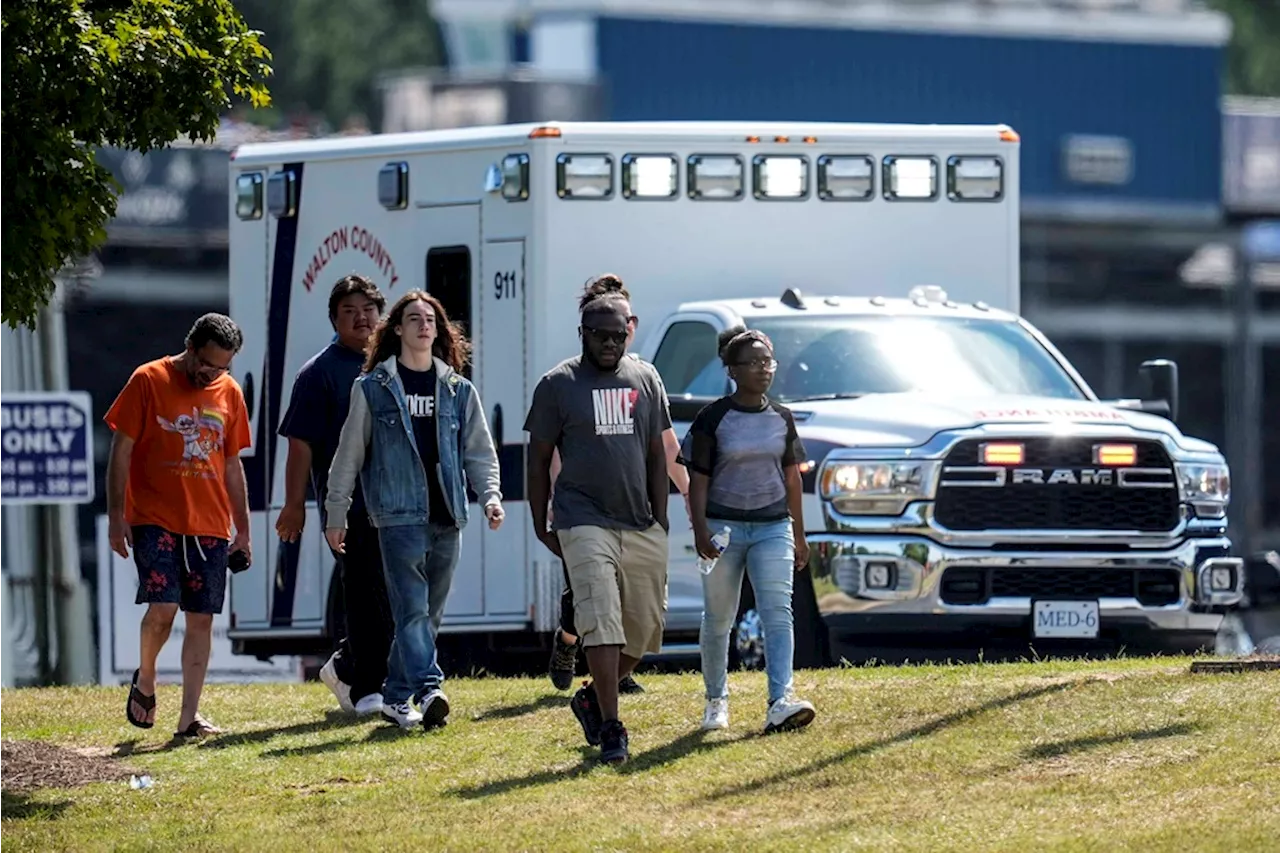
x: 417, y: 437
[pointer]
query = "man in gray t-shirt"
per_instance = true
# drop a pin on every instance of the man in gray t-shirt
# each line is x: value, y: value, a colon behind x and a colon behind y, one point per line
x: 606, y: 415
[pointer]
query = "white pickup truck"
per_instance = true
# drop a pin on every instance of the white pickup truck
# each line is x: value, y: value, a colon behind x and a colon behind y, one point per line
x: 969, y: 483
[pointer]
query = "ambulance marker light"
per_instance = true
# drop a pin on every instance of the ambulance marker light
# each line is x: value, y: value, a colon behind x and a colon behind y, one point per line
x: 1118, y: 455
x: 753, y: 139
x: 545, y: 133
x: 782, y: 139
x: 1008, y: 134
x: 1002, y: 454
x: 811, y: 139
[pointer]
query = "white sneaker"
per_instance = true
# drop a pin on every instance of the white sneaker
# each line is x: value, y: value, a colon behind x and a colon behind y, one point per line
x: 716, y: 716
x: 342, y: 690
x: 435, y: 708
x: 788, y: 713
x: 402, y: 714
x: 370, y: 704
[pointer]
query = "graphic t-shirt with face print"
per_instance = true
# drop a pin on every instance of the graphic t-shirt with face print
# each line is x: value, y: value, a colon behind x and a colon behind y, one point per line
x: 183, y: 436
x: 420, y: 395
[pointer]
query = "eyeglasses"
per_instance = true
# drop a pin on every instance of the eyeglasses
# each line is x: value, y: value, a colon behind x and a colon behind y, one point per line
x: 766, y: 364
x: 604, y: 336
x: 214, y: 368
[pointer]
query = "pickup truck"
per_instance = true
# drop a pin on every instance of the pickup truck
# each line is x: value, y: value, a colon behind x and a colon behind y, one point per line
x: 964, y: 483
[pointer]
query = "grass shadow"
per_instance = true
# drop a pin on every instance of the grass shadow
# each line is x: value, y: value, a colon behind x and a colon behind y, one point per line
x: 508, y: 712
x: 21, y: 807
x: 689, y: 744
x: 1067, y: 747
x: 332, y: 720
x: 136, y: 746
x: 925, y: 730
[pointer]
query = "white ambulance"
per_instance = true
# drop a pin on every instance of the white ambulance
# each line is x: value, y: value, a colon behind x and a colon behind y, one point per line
x: 711, y: 224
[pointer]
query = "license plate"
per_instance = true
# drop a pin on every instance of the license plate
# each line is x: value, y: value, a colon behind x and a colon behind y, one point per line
x: 1070, y: 619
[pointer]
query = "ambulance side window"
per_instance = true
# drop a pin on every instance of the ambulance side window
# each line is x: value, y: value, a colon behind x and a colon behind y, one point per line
x: 687, y: 360
x: 449, y: 280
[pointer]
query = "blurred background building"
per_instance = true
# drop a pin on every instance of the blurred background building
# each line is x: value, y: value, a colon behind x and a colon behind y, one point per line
x: 1148, y: 160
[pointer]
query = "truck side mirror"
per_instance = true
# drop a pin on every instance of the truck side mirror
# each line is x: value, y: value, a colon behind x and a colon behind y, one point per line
x: 1158, y: 384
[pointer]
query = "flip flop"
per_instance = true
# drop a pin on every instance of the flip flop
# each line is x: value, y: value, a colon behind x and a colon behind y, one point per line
x: 200, y: 727
x: 146, y: 703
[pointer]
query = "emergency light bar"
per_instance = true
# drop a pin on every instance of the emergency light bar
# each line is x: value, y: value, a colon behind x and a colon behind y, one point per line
x: 910, y: 178
x: 249, y: 196
x: 845, y: 178
x: 515, y: 177
x: 586, y: 176
x: 975, y: 178
x: 715, y: 177
x: 780, y: 176
x: 649, y: 176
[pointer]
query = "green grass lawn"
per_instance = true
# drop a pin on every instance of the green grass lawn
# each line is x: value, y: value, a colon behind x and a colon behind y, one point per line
x: 1108, y: 755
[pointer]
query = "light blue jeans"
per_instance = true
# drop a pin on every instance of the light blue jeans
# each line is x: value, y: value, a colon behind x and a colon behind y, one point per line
x: 766, y: 552
x: 418, y: 561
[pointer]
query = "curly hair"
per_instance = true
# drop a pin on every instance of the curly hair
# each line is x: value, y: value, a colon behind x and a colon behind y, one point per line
x: 734, y: 340
x: 217, y: 329
x: 451, y: 345
x: 602, y: 285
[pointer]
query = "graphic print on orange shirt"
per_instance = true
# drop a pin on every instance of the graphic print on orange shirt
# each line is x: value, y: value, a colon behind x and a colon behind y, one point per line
x: 182, y: 436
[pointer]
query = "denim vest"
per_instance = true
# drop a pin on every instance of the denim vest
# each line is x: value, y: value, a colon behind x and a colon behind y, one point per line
x: 393, y: 478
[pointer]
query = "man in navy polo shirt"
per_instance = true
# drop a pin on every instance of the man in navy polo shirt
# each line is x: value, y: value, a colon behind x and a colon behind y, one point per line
x: 313, y: 422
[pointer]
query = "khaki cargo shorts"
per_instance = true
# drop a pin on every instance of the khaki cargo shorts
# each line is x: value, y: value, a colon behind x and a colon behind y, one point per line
x: 619, y: 582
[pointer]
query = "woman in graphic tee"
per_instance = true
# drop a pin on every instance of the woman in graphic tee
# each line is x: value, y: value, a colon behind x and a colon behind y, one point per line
x: 743, y: 454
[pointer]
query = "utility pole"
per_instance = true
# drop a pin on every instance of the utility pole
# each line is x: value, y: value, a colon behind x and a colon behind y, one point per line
x: 1256, y: 241
x: 66, y: 596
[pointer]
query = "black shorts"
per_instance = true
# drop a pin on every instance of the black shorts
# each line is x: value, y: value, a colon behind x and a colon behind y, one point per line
x: 190, y: 571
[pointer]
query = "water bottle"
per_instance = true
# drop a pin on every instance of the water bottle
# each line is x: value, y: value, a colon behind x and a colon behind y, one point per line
x: 721, y: 541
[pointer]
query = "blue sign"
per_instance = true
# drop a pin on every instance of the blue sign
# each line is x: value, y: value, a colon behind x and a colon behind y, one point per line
x: 47, y: 438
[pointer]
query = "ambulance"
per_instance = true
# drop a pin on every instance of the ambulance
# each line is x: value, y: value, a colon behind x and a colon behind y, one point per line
x: 961, y: 476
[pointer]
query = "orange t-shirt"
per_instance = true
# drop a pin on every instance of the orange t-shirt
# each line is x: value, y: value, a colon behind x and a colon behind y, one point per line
x: 182, y: 437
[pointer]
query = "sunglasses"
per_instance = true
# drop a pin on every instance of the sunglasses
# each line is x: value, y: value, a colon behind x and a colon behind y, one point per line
x: 766, y: 364
x: 604, y: 336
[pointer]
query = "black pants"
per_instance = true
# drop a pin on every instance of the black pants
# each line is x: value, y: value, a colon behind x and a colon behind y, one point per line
x: 566, y: 604
x: 361, y: 656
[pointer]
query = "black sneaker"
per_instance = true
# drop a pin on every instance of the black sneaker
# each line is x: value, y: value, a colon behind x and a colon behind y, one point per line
x: 435, y: 709
x: 613, y: 743
x: 629, y: 685
x: 564, y: 662
x: 586, y: 708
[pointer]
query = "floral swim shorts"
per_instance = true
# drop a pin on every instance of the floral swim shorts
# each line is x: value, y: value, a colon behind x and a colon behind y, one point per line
x: 190, y: 571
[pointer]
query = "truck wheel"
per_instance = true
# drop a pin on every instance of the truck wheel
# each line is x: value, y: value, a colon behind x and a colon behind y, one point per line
x: 747, y: 644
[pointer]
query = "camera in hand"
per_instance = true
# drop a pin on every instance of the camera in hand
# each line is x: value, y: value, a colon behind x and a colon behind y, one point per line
x: 238, y: 561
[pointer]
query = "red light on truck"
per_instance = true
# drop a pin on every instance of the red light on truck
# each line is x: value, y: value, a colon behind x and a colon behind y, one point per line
x: 1002, y: 454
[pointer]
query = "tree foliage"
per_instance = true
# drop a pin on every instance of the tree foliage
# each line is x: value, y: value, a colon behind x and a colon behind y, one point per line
x: 81, y: 74
x: 1253, y: 57
x: 328, y: 55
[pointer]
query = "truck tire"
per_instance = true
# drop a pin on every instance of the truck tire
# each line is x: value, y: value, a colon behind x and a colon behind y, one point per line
x: 812, y: 637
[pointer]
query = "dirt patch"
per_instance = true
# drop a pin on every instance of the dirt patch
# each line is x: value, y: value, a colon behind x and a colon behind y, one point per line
x: 28, y: 765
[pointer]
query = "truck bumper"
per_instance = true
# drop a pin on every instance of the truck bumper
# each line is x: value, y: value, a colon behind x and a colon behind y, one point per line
x: 901, y: 585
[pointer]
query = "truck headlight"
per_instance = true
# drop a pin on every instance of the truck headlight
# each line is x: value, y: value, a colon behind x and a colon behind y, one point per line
x: 1206, y: 486
x: 877, y: 488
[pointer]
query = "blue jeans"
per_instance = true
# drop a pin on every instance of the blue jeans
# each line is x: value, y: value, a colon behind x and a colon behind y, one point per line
x: 766, y: 552
x: 418, y: 560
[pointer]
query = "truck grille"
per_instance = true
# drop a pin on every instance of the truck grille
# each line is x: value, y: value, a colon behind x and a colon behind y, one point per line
x: 973, y: 501
x: 1151, y: 587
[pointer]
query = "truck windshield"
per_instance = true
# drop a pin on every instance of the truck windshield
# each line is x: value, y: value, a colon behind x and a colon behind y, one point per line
x: 845, y: 357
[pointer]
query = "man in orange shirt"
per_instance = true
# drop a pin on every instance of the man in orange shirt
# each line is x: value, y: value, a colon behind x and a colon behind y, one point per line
x: 174, y: 484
